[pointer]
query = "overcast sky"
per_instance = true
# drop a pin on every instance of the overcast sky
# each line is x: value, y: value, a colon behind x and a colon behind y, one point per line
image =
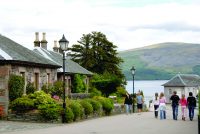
x: 127, y: 23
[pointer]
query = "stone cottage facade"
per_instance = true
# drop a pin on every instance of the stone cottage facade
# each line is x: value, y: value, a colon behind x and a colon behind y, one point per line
x: 16, y: 59
x: 183, y: 84
x: 56, y: 56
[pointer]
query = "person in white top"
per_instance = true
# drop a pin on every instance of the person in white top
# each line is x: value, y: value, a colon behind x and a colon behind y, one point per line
x: 156, y: 105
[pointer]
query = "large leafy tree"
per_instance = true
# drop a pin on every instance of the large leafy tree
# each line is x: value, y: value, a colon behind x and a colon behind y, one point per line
x: 97, y: 54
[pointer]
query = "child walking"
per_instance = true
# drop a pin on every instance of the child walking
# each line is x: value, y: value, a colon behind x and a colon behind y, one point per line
x: 183, y: 103
x: 156, y: 105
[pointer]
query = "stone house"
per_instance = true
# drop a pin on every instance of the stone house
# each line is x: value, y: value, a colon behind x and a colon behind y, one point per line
x: 56, y: 56
x: 39, y: 66
x: 183, y: 84
x: 16, y: 59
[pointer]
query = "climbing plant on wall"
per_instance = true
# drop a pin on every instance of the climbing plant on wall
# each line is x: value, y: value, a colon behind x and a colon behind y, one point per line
x: 15, y: 87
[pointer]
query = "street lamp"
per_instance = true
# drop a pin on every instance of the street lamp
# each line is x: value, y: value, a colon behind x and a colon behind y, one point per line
x: 133, y: 73
x: 63, y: 45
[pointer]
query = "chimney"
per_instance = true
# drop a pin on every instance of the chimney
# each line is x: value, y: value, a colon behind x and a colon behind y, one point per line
x: 60, y: 50
x: 36, y: 42
x: 43, y: 41
x: 55, y: 48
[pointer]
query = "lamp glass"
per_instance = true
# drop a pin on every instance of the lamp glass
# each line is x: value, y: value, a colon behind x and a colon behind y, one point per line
x: 63, y: 43
x: 133, y: 70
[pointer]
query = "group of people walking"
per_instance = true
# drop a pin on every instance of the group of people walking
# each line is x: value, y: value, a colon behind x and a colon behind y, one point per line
x: 160, y: 105
x: 128, y: 102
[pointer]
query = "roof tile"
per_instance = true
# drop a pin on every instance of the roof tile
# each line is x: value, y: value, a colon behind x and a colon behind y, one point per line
x: 20, y: 53
x: 70, y: 66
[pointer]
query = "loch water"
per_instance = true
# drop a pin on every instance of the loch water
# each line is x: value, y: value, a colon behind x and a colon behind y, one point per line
x: 149, y: 87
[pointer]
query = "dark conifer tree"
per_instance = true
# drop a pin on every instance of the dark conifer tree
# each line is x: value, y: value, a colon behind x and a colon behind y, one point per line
x: 97, y: 54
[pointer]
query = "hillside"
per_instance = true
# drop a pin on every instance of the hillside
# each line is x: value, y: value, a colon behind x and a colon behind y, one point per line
x: 161, y: 61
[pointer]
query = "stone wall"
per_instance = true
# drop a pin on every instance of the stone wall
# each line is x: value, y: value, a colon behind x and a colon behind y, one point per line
x: 45, y: 75
x: 4, y: 72
x: 26, y: 117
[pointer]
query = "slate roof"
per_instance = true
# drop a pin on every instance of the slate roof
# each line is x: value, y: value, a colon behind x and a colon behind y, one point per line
x: 183, y: 80
x: 12, y: 52
x: 70, y: 66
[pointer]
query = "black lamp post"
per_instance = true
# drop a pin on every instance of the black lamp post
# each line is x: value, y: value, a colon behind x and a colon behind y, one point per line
x: 133, y: 73
x: 63, y: 45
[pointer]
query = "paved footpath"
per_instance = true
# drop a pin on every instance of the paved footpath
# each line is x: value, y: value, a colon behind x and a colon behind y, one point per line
x: 144, y: 123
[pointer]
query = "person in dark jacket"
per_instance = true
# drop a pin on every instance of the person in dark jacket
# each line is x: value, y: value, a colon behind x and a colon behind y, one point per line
x: 128, y: 103
x: 191, y: 100
x: 175, y: 103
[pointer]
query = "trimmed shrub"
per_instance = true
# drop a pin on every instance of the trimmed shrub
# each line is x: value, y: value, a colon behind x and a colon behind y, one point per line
x: 49, y: 112
x: 69, y: 115
x: 30, y: 88
x: 15, y: 86
x: 22, y: 105
x: 57, y: 88
x: 77, y: 109
x: 88, y: 109
x: 41, y: 97
x: 45, y: 89
x: 96, y: 105
x: 107, y: 104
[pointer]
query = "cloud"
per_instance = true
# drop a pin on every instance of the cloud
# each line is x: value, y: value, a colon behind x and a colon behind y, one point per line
x: 128, y: 24
x: 170, y: 26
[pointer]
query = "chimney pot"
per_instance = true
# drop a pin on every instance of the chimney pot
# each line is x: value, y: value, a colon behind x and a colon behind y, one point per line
x: 37, y: 42
x: 36, y: 36
x: 44, y: 36
x: 55, y: 43
x: 43, y: 41
x: 55, y: 48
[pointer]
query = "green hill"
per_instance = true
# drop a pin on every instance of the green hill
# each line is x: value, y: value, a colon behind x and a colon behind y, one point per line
x: 161, y: 61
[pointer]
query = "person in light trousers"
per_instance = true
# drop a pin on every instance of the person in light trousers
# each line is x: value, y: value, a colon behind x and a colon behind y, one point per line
x: 183, y: 103
x: 162, y: 106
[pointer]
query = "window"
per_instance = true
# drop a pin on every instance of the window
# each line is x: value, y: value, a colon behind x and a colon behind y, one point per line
x: 23, y: 76
x: 48, y: 79
x: 36, y: 82
x: 69, y: 82
x: 170, y: 91
x: 29, y: 77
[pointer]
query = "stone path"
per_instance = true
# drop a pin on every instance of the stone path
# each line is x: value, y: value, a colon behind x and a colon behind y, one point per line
x: 143, y: 123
